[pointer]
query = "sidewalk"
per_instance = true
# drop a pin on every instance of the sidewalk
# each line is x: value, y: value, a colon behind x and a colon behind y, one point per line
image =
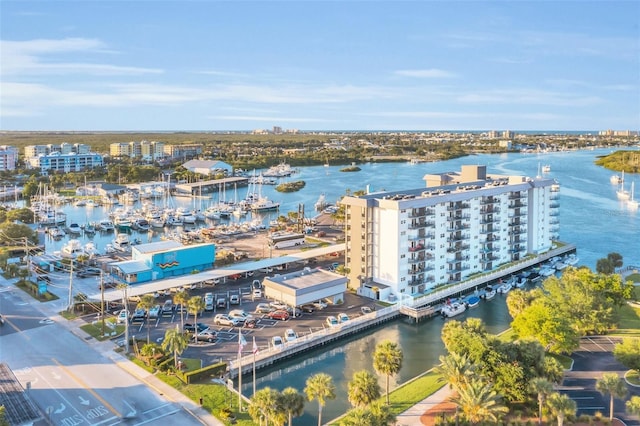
x: 426, y: 411
x: 106, y: 348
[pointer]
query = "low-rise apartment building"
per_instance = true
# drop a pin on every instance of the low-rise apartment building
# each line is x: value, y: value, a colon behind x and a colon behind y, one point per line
x: 8, y: 158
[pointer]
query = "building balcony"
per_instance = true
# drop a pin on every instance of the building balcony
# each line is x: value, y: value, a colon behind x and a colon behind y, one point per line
x: 517, y: 249
x: 554, y: 213
x: 488, y: 259
x: 489, y: 219
x: 416, y: 248
x: 554, y: 196
x: 458, y: 248
x: 457, y: 238
x: 517, y: 231
x: 517, y: 196
x: 554, y: 221
x: 491, y: 239
x: 415, y: 213
x: 457, y: 206
x: 417, y: 224
x: 458, y: 227
x: 459, y: 269
x: 458, y: 259
x: 489, y: 200
x: 488, y: 230
x: 554, y: 204
x: 490, y: 210
x: 517, y: 213
x: 491, y: 249
x: 419, y: 259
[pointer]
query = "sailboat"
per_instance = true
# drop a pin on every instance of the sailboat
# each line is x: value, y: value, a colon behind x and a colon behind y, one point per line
x: 621, y: 192
x: 633, y: 204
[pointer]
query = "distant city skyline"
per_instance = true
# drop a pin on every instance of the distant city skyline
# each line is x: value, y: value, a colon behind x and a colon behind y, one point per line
x: 319, y: 65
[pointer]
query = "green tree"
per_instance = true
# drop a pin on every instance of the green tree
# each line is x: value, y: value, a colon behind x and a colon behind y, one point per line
x: 543, y: 388
x: 609, y: 264
x: 610, y: 384
x: 549, y: 326
x: 195, y: 306
x: 14, y: 234
x: 363, y: 389
x: 478, y: 402
x: 387, y: 360
x: 3, y: 416
x: 376, y: 414
x: 633, y: 405
x: 292, y: 402
x: 181, y: 298
x: 320, y: 387
x: 628, y: 353
x: 264, y: 406
x: 175, y: 341
x: 455, y: 369
x: 561, y: 406
x: 466, y: 338
x: 147, y: 302
x: 518, y: 301
x: 23, y: 215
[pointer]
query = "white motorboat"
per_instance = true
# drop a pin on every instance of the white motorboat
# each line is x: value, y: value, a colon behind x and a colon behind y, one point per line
x: 572, y: 259
x: 56, y: 233
x: 106, y: 225
x: 505, y: 287
x: 74, y: 228
x: 109, y: 249
x: 546, y: 168
x: 489, y: 293
x: 72, y: 249
x: 81, y: 202
x: 122, y: 243
x: 546, y: 270
x: 264, y: 204
x: 452, y: 309
x: 615, y: 179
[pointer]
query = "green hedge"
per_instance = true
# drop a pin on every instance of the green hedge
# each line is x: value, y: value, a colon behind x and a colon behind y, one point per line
x: 213, y: 370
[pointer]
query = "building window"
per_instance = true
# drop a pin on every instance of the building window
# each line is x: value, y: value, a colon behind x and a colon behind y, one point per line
x: 402, y: 256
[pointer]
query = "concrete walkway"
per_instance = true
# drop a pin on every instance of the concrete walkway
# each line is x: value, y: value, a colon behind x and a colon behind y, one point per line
x: 416, y: 414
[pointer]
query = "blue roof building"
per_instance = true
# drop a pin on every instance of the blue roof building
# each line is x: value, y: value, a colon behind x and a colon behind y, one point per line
x: 163, y: 259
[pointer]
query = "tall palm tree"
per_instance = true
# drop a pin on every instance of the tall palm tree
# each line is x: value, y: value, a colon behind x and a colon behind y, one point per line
x: 387, y: 360
x: 357, y: 416
x: 479, y: 402
x: 320, y: 386
x: 292, y: 403
x: 175, y: 341
x: 181, y: 298
x: 147, y: 302
x: 363, y: 389
x: 611, y: 384
x: 633, y: 405
x: 455, y: 369
x: 561, y: 406
x: 543, y: 388
x: 195, y: 306
x: 263, y: 405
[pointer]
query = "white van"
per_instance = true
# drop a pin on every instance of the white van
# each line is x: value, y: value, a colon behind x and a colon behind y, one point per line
x: 208, y: 302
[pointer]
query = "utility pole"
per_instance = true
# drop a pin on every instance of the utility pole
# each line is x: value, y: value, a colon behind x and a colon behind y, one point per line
x: 26, y: 251
x: 70, y: 287
x: 102, y: 302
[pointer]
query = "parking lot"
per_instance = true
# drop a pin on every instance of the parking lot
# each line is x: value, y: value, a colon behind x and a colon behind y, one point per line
x: 262, y: 328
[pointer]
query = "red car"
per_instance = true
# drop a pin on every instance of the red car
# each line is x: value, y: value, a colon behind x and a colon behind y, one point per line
x: 235, y: 276
x: 279, y: 315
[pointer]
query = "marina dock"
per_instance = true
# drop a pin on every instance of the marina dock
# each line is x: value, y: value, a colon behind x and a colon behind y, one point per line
x: 208, y: 186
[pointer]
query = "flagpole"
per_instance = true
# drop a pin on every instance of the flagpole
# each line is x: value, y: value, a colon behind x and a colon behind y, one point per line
x: 240, y: 371
x: 255, y: 349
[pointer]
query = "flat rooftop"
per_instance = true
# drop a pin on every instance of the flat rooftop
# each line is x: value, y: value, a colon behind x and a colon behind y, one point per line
x: 20, y: 410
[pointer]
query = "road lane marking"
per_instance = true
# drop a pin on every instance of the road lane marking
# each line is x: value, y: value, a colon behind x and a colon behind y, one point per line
x: 595, y: 343
x: 84, y: 385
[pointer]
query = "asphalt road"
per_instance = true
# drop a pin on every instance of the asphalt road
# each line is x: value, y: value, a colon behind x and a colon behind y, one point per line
x: 591, y: 360
x: 68, y: 380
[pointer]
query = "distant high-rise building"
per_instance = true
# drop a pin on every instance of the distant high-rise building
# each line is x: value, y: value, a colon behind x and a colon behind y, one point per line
x: 8, y: 158
x: 462, y: 223
x: 508, y: 134
x: 183, y: 151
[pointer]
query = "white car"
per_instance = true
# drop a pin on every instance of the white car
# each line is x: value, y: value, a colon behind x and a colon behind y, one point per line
x: 332, y: 321
x: 278, y: 305
x: 342, y: 317
x: 290, y: 335
x: 319, y: 305
x: 155, y: 311
x: 222, y: 319
x: 241, y: 315
x: 277, y: 342
x: 257, y: 293
x: 123, y: 316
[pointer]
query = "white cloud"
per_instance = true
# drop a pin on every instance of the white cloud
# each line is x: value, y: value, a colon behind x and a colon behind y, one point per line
x: 426, y: 73
x: 527, y: 97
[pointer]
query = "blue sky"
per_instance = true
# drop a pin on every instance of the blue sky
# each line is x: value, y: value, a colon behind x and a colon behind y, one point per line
x: 327, y: 65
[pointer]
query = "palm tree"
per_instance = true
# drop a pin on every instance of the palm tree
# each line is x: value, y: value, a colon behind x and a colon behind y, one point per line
x: 263, y: 405
x: 195, y: 306
x: 455, y: 369
x: 147, y: 302
x: 175, y: 341
x: 561, y: 406
x: 320, y: 386
x: 181, y: 298
x: 611, y: 384
x: 292, y: 403
x: 387, y: 360
x: 479, y: 402
x: 363, y: 389
x: 542, y: 387
x: 633, y: 405
x: 357, y: 417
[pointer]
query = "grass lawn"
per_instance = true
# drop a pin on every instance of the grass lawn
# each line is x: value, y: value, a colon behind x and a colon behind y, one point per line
x: 414, y: 391
x: 629, y: 324
x: 633, y: 277
x: 566, y: 361
x: 32, y: 290
x: 633, y: 377
x: 95, y: 330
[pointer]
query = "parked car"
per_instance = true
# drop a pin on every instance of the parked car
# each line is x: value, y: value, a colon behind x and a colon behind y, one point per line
x: 332, y: 321
x: 342, y: 317
x: 123, y: 316
x: 222, y: 319
x: 208, y: 302
x: 266, y: 270
x: 88, y: 272
x: 280, y: 314
x: 139, y: 315
x: 205, y: 336
x: 235, y: 277
x: 365, y: 310
x: 221, y: 302
x: 278, y: 305
x: 257, y: 293
x: 256, y: 284
x: 250, y: 323
x: 167, y: 308
x: 191, y: 328
x: 319, y: 305
x: 155, y: 311
x: 234, y: 299
x: 308, y: 308
x: 277, y: 342
x: 240, y: 315
x: 263, y: 308
x: 290, y: 335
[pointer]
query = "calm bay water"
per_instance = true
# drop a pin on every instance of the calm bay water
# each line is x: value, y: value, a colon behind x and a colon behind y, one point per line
x: 590, y: 217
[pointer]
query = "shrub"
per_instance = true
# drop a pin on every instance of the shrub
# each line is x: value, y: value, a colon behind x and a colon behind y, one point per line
x: 213, y: 370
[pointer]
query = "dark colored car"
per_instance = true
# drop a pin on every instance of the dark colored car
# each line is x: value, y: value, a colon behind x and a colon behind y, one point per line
x: 205, y: 336
x: 139, y: 315
x: 279, y: 315
x: 191, y: 328
x: 89, y: 272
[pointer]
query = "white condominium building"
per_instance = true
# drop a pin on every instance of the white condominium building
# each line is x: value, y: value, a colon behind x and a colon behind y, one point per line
x: 463, y: 223
x: 8, y: 158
